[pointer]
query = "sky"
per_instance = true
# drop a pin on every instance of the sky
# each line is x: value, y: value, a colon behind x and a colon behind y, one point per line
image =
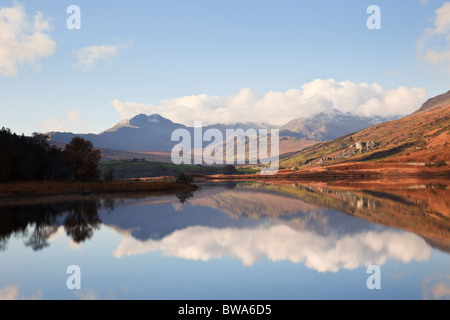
x: 216, y: 61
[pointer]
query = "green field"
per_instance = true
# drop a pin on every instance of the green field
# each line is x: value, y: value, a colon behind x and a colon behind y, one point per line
x: 127, y: 170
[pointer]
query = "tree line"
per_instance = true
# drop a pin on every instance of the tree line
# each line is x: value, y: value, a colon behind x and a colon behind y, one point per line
x: 33, y: 158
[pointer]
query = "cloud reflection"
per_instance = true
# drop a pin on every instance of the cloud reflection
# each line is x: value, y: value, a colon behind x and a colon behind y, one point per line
x: 437, y: 288
x: 13, y: 293
x: 9, y: 293
x: 91, y: 294
x: 61, y: 234
x: 329, y: 253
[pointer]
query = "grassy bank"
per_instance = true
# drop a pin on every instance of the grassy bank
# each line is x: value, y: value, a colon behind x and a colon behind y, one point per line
x: 50, y: 188
x: 149, y: 169
x: 351, y: 172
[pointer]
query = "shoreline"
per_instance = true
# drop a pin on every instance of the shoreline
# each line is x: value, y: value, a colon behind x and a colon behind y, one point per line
x: 347, y: 172
x: 26, y: 189
x: 342, y: 173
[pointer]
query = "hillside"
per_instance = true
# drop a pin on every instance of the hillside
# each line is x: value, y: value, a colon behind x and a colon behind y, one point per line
x: 420, y: 138
x: 148, y: 169
x: 145, y: 133
x: 421, y: 209
x: 149, y: 137
x: 435, y: 102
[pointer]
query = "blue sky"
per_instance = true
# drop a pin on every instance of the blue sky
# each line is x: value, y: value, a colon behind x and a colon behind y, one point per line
x: 263, y: 61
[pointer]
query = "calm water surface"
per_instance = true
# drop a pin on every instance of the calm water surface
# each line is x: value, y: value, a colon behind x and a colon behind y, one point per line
x: 231, y: 241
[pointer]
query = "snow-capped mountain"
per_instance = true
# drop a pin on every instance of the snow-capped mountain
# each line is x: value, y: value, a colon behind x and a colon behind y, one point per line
x: 153, y: 133
x: 330, y: 125
x: 141, y: 133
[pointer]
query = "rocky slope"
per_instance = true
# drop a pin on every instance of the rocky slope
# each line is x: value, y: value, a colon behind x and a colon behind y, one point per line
x: 420, y: 138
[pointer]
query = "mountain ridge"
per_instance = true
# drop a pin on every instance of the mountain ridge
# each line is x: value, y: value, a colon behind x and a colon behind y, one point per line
x: 422, y: 137
x: 331, y: 125
x: 436, y: 102
x: 153, y: 132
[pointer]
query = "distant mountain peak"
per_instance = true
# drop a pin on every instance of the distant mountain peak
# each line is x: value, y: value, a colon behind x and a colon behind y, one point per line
x: 144, y: 120
x: 139, y: 119
x: 334, y: 111
x: 420, y: 138
x: 140, y: 116
x: 331, y: 124
x: 156, y: 116
x: 120, y: 125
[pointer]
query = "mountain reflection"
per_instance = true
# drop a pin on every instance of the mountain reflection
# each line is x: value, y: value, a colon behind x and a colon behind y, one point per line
x: 249, y: 222
x: 421, y: 208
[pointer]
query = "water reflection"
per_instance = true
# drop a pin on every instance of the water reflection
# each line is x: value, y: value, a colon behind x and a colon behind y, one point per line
x: 82, y: 220
x: 13, y: 293
x: 436, y: 288
x: 245, y: 231
x: 282, y: 243
x: 423, y: 209
x: 185, y: 196
x: 37, y: 223
x: 250, y: 222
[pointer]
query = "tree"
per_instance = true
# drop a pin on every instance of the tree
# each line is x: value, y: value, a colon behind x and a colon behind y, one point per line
x: 229, y: 170
x: 109, y: 174
x: 30, y: 158
x: 83, y: 158
x: 183, y: 178
x: 41, y: 139
x: 6, y: 166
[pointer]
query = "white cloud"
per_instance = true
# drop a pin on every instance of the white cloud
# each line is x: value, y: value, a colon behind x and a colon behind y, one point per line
x: 22, y: 40
x: 73, y: 115
x: 433, y: 46
x: 52, y: 124
x: 90, y: 57
x: 442, y: 22
x: 329, y: 253
x: 278, y: 108
x: 74, y: 122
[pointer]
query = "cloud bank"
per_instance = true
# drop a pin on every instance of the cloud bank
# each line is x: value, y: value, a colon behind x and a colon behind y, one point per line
x: 277, y: 243
x: 73, y: 120
x: 435, y: 37
x: 23, y: 40
x: 278, y: 108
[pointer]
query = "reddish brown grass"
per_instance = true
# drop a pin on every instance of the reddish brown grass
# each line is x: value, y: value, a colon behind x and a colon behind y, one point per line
x: 47, y: 188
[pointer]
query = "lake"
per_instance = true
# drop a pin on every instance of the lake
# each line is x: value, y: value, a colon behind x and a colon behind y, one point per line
x: 232, y: 241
